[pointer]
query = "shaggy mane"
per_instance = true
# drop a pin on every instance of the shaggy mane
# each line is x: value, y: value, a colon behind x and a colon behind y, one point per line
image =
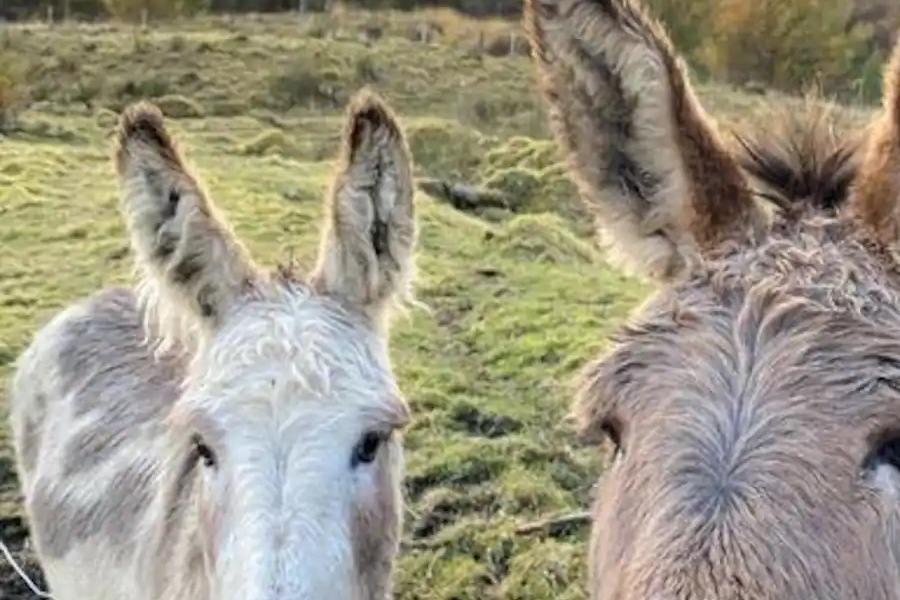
x: 805, y: 160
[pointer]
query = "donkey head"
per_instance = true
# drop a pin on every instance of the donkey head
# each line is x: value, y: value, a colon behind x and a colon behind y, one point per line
x: 284, y: 460
x: 754, y: 403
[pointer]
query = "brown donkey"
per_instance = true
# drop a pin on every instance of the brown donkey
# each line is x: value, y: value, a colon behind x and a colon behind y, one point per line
x: 755, y: 401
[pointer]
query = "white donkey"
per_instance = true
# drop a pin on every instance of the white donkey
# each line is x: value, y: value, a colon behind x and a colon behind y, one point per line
x: 223, y: 432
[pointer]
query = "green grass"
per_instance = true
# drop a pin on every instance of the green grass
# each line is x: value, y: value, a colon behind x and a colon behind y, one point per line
x: 515, y: 307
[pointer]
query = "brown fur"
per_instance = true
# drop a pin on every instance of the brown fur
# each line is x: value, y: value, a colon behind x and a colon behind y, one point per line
x: 754, y: 401
x: 877, y: 193
x: 612, y: 134
x: 807, y: 159
x: 747, y: 401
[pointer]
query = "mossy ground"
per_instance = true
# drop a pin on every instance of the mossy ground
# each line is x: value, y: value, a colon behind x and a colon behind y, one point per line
x: 514, y: 307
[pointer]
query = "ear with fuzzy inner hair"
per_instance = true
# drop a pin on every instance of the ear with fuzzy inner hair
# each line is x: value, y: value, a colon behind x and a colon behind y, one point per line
x: 192, y: 266
x: 875, y: 199
x: 366, y: 255
x: 646, y: 158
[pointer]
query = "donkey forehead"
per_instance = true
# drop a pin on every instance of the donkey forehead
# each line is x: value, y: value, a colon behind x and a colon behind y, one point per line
x: 792, y: 319
x: 289, y: 341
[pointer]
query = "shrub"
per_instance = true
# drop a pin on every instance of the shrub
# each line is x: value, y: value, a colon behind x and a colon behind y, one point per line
x: 687, y: 21
x: 12, y: 89
x: 133, y: 10
x: 786, y: 45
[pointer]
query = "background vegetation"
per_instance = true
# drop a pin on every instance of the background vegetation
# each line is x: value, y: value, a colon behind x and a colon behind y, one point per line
x: 836, y: 46
x: 519, y: 297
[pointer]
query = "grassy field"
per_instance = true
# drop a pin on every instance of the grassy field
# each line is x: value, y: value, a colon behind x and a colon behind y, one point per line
x: 518, y: 298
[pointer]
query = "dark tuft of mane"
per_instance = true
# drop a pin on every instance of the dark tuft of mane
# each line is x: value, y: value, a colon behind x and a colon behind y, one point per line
x: 802, y: 162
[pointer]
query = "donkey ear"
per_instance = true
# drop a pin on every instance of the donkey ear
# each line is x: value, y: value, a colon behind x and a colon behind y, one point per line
x: 187, y: 254
x: 875, y: 199
x: 366, y: 253
x: 646, y: 158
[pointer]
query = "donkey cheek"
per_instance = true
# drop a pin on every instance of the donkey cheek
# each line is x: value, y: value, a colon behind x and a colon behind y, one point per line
x: 375, y: 527
x: 374, y: 543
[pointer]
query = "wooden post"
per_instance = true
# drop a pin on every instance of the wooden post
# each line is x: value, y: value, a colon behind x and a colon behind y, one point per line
x: 67, y: 10
x: 49, y: 14
x: 145, y: 15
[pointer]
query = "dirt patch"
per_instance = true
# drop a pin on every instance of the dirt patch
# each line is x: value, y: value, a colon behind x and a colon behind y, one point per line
x: 14, y: 534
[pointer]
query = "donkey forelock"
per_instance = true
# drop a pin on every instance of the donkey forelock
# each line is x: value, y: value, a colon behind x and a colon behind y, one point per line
x: 754, y: 401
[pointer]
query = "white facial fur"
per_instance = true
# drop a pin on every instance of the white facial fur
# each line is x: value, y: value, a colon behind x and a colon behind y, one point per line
x: 287, y: 389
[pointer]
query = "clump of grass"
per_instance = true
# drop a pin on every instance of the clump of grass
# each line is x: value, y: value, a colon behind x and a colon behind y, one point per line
x: 178, y: 44
x: 12, y: 90
x: 529, y: 491
x: 531, y: 174
x: 519, y: 186
x: 105, y: 118
x: 366, y: 69
x: 41, y: 127
x: 543, y: 238
x: 272, y: 141
x: 486, y: 110
x: 521, y: 152
x: 86, y: 89
x: 446, y: 149
x: 548, y: 569
x: 150, y: 86
x: 179, y: 107
x: 305, y: 81
x: 501, y: 44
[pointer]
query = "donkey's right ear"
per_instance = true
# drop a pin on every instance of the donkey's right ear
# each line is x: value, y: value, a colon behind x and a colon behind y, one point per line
x: 646, y: 158
x: 185, y: 251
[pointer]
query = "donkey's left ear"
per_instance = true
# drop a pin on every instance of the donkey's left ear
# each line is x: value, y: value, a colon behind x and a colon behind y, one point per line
x: 875, y: 200
x: 367, y: 249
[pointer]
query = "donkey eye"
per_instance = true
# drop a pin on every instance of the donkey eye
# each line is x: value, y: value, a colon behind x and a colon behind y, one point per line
x: 203, y: 452
x: 366, y: 449
x: 887, y: 453
x: 613, y: 433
